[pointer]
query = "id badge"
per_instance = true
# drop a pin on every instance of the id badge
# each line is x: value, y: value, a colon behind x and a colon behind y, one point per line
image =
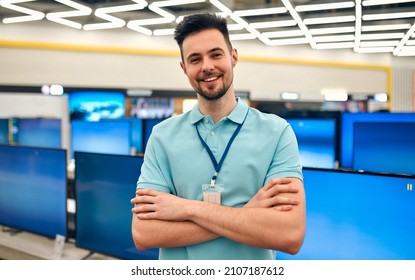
x: 212, y: 193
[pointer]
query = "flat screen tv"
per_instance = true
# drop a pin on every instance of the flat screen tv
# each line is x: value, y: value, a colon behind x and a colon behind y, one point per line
x: 151, y: 107
x: 347, y: 130
x: 137, y: 138
x: 384, y: 147
x: 38, y: 132
x: 105, y: 136
x: 4, y: 131
x: 316, y: 141
x: 33, y: 189
x: 96, y: 105
x: 148, y: 125
x: 357, y: 216
x: 104, y: 186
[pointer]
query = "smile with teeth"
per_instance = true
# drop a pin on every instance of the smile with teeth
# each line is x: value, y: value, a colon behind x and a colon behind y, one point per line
x: 210, y: 79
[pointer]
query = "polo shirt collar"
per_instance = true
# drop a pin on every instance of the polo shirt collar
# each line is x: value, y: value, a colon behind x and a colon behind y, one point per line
x: 237, y: 115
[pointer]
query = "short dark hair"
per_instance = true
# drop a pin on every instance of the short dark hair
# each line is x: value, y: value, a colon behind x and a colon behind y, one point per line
x: 199, y: 22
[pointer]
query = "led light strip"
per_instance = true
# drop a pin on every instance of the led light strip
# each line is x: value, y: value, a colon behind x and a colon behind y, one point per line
x: 252, y: 28
x: 59, y: 17
x: 382, y: 36
x: 327, y: 6
x: 163, y: 32
x: 31, y: 15
x: 358, y: 25
x: 224, y: 10
x: 389, y: 16
x: 332, y: 30
x: 273, y: 24
x: 253, y: 33
x: 383, y: 2
x: 385, y: 27
x: 389, y: 43
x: 114, y: 22
x: 327, y: 46
x: 245, y: 36
x: 157, y: 7
x: 260, y: 12
x: 282, y: 34
x: 338, y: 19
x: 376, y: 50
x: 405, y: 38
x: 285, y: 42
x: 300, y: 22
x: 336, y: 38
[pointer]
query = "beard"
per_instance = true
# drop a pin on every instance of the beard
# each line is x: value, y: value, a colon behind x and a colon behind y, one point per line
x: 212, y: 94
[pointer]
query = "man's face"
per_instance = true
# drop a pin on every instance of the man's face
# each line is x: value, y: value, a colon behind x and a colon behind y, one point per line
x: 208, y: 63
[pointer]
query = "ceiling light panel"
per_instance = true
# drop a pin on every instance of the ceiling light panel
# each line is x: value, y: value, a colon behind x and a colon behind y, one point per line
x: 112, y: 21
x: 76, y: 11
x: 364, y: 26
x: 30, y: 14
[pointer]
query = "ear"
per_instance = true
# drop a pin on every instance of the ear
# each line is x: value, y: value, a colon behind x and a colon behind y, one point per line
x: 234, y: 57
x: 183, y: 67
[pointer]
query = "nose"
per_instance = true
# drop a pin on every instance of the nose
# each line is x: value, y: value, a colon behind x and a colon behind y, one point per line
x: 207, y: 65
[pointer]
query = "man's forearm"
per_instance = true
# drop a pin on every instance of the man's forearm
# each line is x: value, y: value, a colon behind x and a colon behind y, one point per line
x: 259, y: 227
x: 162, y: 234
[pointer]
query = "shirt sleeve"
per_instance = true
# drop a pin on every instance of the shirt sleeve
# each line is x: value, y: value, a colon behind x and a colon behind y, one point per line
x: 154, y: 173
x: 286, y: 160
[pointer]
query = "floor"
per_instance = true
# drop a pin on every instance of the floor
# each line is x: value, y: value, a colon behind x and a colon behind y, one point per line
x: 27, y: 246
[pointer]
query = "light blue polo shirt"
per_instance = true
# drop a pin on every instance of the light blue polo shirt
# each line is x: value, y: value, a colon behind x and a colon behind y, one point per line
x: 176, y: 162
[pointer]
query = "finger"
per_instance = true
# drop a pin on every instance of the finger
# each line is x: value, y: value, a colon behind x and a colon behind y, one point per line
x: 277, y: 189
x: 281, y: 200
x: 143, y: 199
x: 275, y: 181
x: 142, y: 208
x: 148, y: 216
x: 146, y: 192
x: 283, y: 208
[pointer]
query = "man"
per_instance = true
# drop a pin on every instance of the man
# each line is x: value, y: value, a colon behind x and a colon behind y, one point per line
x: 222, y: 181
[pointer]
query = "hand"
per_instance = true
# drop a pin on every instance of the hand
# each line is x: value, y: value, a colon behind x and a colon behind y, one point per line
x: 151, y: 204
x: 274, y: 195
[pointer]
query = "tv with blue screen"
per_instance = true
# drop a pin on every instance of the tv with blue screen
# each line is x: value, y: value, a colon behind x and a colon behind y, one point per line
x: 357, y: 216
x: 384, y: 147
x: 33, y: 189
x: 148, y: 125
x: 4, y: 131
x: 105, y: 136
x: 38, y: 132
x: 347, y: 129
x: 316, y: 141
x: 96, y: 105
x: 137, y: 138
x: 104, y: 186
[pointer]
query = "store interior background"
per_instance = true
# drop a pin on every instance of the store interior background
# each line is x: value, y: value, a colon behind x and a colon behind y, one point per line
x: 38, y: 54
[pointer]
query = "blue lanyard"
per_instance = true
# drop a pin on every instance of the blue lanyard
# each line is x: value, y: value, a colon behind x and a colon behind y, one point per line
x: 225, y: 153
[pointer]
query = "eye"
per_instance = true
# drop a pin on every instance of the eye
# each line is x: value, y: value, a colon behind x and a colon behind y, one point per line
x: 217, y: 55
x: 194, y: 60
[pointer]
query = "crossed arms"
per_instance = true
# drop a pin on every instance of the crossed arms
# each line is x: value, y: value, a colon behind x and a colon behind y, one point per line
x: 274, y: 219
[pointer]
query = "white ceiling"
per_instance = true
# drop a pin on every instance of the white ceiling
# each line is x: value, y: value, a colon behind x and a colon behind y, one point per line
x: 367, y: 26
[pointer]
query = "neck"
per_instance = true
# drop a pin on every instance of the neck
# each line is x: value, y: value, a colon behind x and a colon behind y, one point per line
x: 217, y: 109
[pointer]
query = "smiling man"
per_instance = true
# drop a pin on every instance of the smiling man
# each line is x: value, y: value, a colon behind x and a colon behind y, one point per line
x: 222, y: 181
